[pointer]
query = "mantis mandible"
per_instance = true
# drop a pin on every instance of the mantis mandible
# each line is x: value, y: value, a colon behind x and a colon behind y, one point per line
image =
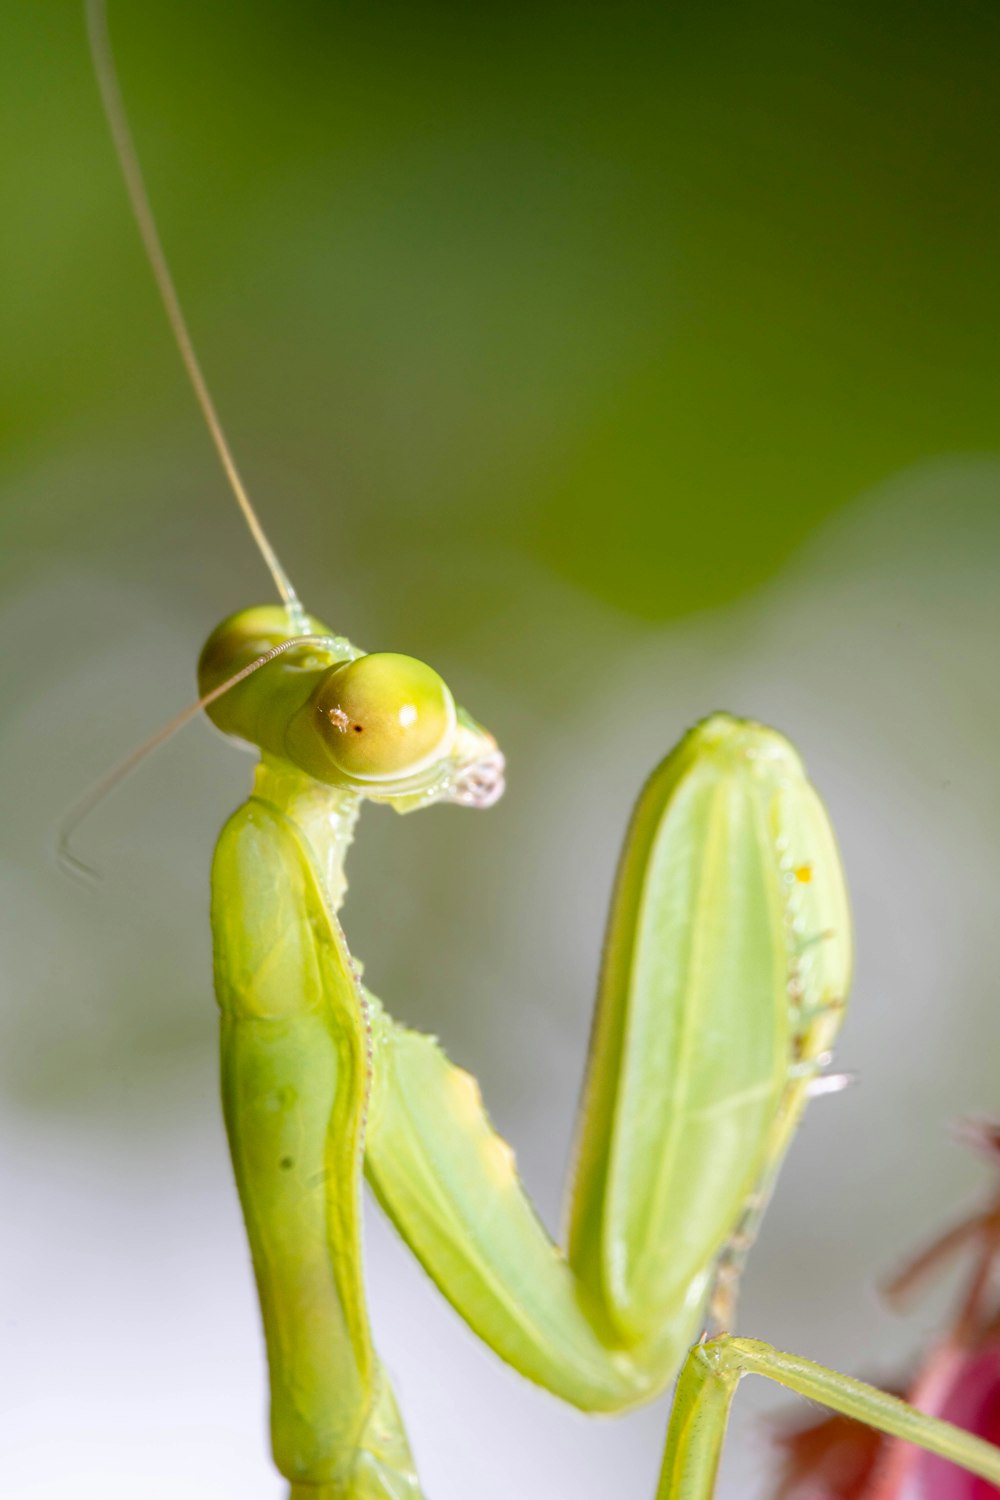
x: 723, y: 984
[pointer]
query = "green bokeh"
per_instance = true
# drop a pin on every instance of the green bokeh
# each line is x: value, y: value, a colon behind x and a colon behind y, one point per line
x: 643, y: 292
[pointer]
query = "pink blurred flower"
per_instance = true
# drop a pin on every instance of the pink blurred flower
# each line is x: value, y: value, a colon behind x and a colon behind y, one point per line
x: 959, y: 1380
x: 973, y: 1402
x: 832, y: 1459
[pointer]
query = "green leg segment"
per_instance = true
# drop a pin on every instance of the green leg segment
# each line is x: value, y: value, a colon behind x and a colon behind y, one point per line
x: 715, y: 1009
x: 708, y: 1383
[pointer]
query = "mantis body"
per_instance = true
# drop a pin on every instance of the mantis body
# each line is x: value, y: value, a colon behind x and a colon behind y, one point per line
x: 725, y: 974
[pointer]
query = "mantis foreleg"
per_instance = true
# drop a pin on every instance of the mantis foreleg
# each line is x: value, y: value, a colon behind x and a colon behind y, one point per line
x: 722, y: 986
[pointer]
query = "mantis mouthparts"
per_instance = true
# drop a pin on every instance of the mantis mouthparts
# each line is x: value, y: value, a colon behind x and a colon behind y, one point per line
x: 481, y: 783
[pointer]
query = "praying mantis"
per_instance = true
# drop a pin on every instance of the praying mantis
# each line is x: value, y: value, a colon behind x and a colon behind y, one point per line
x: 723, y: 985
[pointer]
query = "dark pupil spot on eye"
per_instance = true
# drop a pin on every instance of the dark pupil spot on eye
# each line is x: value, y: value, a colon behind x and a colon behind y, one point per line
x: 286, y: 1163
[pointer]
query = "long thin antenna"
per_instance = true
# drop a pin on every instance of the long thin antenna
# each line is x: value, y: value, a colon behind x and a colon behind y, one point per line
x: 114, y: 108
x: 82, y: 809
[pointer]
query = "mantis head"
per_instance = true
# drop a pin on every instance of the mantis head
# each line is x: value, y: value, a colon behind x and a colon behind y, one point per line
x: 382, y: 725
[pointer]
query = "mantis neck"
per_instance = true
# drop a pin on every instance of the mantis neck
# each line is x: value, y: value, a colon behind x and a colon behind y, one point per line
x: 325, y: 816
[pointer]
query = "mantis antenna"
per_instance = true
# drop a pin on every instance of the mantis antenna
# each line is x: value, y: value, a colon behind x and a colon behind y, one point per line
x: 82, y: 809
x: 114, y: 108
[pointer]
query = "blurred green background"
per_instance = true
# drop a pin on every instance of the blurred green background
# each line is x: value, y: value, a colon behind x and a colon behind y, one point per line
x: 625, y: 362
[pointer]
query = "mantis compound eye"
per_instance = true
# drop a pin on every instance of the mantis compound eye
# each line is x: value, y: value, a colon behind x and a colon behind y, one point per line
x: 386, y: 716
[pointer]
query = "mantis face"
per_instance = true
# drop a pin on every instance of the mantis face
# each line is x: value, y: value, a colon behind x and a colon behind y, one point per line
x: 382, y: 725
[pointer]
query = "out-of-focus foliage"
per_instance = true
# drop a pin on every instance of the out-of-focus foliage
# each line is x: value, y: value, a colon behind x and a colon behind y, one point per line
x: 643, y: 291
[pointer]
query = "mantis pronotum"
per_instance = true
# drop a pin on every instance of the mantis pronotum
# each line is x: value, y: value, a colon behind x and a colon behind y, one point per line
x: 725, y: 974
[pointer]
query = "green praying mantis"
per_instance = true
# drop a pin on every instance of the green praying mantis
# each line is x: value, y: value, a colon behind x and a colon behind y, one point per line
x: 723, y: 984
